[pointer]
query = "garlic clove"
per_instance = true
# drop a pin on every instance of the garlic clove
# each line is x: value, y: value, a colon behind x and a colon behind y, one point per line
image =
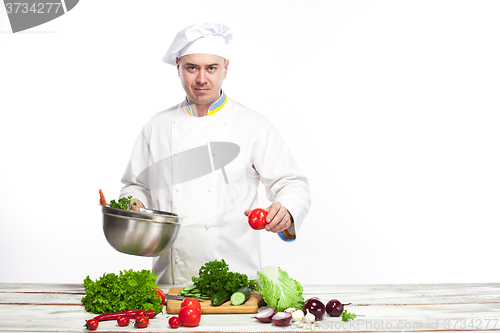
x: 298, y: 315
x: 309, y: 317
x: 290, y: 310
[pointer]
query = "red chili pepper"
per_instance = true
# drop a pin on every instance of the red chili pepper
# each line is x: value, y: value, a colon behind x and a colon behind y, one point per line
x: 129, y: 314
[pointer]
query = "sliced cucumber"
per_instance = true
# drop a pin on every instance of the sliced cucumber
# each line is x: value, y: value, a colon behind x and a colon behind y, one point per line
x: 241, y: 295
x: 191, y: 286
x: 187, y: 289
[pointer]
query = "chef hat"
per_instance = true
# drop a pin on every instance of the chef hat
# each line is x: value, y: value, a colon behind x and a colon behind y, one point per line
x: 208, y: 38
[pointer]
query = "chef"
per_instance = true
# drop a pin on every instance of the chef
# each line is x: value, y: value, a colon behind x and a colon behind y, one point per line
x: 204, y: 159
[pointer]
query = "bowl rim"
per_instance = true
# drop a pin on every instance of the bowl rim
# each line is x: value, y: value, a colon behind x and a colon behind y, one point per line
x: 146, y: 215
x: 142, y: 220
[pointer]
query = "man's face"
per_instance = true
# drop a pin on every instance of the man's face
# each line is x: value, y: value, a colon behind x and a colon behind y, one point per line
x: 201, y: 77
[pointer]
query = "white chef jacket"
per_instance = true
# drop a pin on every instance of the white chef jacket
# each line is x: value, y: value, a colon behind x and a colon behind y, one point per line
x: 215, y: 226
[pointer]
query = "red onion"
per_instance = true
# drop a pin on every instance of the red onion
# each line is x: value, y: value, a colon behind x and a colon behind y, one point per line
x: 334, y: 308
x: 265, y: 315
x: 315, y: 306
x: 282, y: 318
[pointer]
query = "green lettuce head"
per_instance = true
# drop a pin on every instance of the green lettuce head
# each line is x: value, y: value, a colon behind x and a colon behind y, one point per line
x: 279, y: 290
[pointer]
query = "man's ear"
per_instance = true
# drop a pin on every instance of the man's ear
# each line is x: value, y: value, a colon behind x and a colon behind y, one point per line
x: 225, y: 68
x: 177, y: 62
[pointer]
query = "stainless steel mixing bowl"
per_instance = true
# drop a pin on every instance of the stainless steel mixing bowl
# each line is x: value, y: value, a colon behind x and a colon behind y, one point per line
x: 146, y: 233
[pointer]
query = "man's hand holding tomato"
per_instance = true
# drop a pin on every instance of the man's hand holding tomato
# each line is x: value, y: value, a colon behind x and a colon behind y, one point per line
x: 278, y: 217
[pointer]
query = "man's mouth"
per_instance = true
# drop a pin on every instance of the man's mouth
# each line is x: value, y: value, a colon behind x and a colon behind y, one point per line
x: 202, y: 90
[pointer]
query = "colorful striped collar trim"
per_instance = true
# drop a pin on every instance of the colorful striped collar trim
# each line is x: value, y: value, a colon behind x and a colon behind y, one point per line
x: 213, y: 108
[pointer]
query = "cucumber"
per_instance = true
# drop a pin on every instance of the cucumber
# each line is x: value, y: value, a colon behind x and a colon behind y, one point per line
x: 191, y: 286
x: 220, y: 297
x: 187, y: 289
x: 241, y: 295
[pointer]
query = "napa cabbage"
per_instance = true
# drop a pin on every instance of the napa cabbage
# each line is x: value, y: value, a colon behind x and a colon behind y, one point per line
x: 279, y: 290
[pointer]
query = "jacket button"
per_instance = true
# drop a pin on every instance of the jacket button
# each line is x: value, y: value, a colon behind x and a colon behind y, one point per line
x: 226, y: 122
x: 210, y: 189
x: 177, y: 260
x: 178, y: 189
x: 207, y: 227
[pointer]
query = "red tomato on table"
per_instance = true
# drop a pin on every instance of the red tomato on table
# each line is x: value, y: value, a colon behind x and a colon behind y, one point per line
x: 122, y: 321
x: 191, y: 301
x: 142, y: 322
x: 174, y: 322
x: 257, y: 219
x: 190, y: 316
x: 141, y: 313
x: 91, y: 324
x: 161, y: 294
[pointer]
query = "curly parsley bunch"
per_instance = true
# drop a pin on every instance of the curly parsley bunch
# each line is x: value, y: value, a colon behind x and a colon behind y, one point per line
x: 215, y: 276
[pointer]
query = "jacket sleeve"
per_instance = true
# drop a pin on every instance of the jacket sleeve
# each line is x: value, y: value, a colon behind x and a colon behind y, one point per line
x: 138, y: 163
x: 282, y: 178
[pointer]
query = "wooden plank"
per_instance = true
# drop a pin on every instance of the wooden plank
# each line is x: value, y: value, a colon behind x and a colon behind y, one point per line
x: 357, y: 295
x: 417, y: 308
x: 42, y: 287
x: 250, y: 306
x: 41, y: 299
x: 406, y: 294
x: 417, y: 318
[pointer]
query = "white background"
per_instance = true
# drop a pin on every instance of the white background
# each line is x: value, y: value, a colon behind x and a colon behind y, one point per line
x: 391, y: 108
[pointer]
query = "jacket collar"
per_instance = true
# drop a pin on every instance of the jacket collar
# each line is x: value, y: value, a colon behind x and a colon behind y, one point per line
x: 216, y: 106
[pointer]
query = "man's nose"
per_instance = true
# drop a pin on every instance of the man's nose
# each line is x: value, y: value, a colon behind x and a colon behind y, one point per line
x: 202, y: 77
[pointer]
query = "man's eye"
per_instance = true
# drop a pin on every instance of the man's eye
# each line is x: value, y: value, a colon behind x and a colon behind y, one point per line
x: 191, y: 68
x: 212, y: 68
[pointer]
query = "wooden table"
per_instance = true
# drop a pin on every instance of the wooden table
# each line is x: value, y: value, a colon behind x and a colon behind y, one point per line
x: 387, y: 308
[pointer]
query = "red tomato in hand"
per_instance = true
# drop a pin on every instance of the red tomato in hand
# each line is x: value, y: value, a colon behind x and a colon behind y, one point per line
x: 190, y: 316
x: 141, y: 313
x: 91, y: 324
x: 174, y: 322
x: 123, y: 321
x: 142, y: 322
x: 191, y: 301
x: 257, y: 219
x: 161, y: 294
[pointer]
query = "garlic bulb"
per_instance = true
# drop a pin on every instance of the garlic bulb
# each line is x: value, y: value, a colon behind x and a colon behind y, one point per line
x: 309, y: 317
x: 298, y: 315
